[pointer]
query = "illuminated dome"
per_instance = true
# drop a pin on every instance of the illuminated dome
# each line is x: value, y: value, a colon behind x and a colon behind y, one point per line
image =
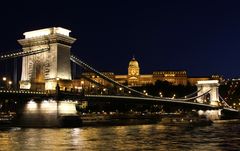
x: 133, y: 63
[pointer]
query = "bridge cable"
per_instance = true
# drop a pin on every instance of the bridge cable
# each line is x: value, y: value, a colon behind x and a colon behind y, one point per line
x: 225, y: 103
x: 189, y: 95
x: 155, y: 98
x: 185, y: 99
x: 23, y: 53
x: 92, y: 81
x: 151, y: 99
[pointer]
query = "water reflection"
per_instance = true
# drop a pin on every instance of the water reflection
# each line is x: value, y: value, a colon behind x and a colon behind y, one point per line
x: 140, y: 137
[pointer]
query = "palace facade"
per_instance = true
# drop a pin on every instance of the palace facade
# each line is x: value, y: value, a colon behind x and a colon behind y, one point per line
x: 135, y: 78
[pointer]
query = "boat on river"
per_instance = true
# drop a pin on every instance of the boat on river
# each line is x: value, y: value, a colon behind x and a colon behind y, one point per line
x: 117, y: 119
x: 185, y: 121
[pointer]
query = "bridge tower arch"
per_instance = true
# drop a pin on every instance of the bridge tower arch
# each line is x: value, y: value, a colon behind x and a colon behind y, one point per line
x: 211, y: 86
x: 42, y: 70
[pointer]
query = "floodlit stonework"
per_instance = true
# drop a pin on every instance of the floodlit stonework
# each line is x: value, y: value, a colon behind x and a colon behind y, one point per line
x: 212, y: 86
x: 135, y: 78
x: 40, y: 71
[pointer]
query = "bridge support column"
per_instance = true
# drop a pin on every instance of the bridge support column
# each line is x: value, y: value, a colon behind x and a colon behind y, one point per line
x: 212, y: 87
x: 41, y: 70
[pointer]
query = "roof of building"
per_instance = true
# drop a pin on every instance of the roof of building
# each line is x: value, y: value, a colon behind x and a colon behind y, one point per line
x: 134, y: 63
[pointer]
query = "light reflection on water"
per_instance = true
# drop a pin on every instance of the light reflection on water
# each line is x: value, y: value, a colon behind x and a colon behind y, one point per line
x: 138, y: 137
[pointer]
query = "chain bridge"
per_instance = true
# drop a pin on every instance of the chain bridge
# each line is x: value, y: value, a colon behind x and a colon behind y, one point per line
x: 46, y: 72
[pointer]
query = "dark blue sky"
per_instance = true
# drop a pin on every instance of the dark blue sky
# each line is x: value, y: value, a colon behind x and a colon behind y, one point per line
x: 202, y: 37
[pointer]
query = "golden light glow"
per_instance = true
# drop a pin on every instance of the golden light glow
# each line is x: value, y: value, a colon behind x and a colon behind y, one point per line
x: 208, y: 82
x: 25, y: 85
x: 50, y: 85
x: 79, y: 88
x: 47, y: 31
x: 213, y: 114
x: 61, y: 30
x: 9, y: 82
x: 169, y: 75
x: 48, y: 106
x: 4, y: 78
x: 37, y: 33
x: 67, y: 107
x: 32, y: 105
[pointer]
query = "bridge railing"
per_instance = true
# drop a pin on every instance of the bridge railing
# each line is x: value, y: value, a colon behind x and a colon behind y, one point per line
x: 22, y: 91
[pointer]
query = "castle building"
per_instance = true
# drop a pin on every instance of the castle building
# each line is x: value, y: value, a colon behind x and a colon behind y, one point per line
x: 135, y: 78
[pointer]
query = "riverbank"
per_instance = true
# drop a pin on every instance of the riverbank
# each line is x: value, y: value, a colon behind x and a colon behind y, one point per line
x: 112, y: 119
x: 118, y: 119
x: 138, y: 119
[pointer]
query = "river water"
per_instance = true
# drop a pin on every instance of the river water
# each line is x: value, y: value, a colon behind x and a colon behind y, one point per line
x: 216, y: 137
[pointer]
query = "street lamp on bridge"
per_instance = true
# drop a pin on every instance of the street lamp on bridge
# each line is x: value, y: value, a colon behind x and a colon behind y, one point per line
x: 174, y: 95
x: 82, y: 84
x: 121, y: 90
x: 4, y: 82
x: 160, y: 94
x: 104, y: 91
x: 145, y: 92
x: 10, y: 84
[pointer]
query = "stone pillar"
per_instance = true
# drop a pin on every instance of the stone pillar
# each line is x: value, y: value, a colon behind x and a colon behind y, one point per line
x: 40, y: 71
x: 204, y: 86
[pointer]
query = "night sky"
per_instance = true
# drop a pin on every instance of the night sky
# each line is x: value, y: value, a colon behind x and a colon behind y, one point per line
x: 202, y: 37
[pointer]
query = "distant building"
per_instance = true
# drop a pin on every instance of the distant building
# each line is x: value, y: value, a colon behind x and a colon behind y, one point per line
x: 135, y: 78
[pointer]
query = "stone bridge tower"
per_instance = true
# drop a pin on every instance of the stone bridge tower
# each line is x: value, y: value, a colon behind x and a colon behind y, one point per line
x: 205, y: 86
x: 41, y: 71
